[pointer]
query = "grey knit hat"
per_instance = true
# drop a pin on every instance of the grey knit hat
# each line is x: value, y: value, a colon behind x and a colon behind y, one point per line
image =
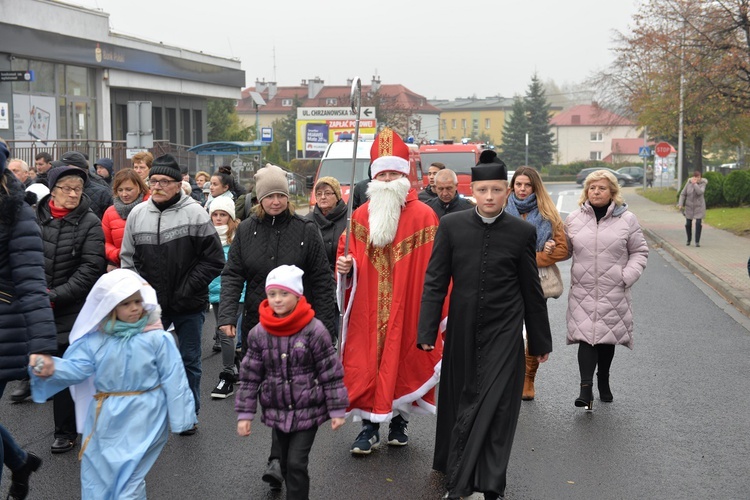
x: 271, y: 180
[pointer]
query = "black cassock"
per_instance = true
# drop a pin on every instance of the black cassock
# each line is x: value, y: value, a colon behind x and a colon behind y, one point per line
x: 495, y: 289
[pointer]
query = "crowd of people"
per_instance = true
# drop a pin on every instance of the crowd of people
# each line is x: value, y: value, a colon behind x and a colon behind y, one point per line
x: 336, y: 314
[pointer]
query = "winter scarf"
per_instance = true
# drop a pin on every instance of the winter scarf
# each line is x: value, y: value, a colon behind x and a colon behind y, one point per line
x: 57, y: 212
x: 125, y: 330
x: 222, y: 231
x: 289, y: 325
x: 123, y: 209
x: 529, y: 206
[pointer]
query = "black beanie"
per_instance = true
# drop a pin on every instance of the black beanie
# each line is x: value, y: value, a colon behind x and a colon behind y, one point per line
x: 166, y: 165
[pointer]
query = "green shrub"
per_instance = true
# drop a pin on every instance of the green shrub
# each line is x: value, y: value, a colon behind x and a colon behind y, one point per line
x: 737, y: 188
x: 714, y: 190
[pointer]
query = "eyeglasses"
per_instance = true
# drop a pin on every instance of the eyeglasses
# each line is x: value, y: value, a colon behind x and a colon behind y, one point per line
x: 165, y: 182
x: 320, y: 194
x: 68, y: 189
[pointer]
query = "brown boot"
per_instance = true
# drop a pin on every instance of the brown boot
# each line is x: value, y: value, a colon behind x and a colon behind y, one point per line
x: 532, y: 363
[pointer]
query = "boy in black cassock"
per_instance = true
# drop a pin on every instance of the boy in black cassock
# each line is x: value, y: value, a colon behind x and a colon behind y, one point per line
x: 491, y: 258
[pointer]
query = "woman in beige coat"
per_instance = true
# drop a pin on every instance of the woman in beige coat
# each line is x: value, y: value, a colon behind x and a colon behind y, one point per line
x: 693, y: 205
x: 609, y: 255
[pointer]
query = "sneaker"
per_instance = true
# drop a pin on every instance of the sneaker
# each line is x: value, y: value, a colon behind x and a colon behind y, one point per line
x: 272, y: 475
x: 397, y: 435
x: 19, y: 486
x: 23, y: 391
x: 225, y: 387
x: 368, y: 439
x: 217, y: 343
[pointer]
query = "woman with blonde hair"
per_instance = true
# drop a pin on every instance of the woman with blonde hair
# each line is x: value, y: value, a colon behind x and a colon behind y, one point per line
x: 530, y: 201
x: 609, y: 255
x: 129, y: 190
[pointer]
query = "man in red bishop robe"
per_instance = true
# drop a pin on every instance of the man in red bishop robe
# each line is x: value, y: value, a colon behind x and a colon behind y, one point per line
x: 387, y: 376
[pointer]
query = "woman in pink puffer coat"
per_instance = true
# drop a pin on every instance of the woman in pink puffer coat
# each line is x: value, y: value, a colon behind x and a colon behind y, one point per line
x: 609, y: 255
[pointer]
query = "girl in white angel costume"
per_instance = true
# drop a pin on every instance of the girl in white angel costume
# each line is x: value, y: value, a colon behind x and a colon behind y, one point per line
x: 131, y: 381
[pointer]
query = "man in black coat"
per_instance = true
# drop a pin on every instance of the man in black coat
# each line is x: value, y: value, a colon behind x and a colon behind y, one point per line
x: 490, y: 257
x: 447, y: 199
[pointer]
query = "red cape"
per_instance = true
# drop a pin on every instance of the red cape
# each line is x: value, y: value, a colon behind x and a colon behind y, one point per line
x: 383, y: 368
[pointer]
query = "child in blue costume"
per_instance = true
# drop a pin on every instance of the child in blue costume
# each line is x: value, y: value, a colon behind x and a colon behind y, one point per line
x: 131, y: 382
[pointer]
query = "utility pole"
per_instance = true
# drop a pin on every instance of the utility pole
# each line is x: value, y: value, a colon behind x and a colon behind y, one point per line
x: 682, y: 108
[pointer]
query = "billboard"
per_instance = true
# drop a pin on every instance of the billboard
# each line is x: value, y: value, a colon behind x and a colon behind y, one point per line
x: 34, y: 118
x: 318, y: 127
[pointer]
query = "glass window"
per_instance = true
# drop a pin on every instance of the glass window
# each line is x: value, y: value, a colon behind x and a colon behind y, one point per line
x: 171, y: 131
x: 185, y: 124
x: 331, y: 101
x: 286, y: 102
x: 197, y: 126
x: 76, y: 81
x: 60, y: 79
x: 595, y: 155
x: 157, y: 122
x: 62, y: 118
x: 19, y: 64
x: 487, y: 123
x: 597, y: 137
x: 44, y: 77
x: 453, y: 124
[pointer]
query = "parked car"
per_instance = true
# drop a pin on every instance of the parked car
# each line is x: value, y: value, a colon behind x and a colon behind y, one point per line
x: 622, y: 179
x: 635, y: 172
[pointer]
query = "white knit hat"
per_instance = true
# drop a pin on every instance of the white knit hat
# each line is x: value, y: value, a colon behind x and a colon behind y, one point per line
x: 224, y: 203
x: 287, y: 278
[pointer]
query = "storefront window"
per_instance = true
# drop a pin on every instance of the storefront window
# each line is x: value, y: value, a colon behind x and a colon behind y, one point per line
x: 44, y: 77
x: 76, y: 81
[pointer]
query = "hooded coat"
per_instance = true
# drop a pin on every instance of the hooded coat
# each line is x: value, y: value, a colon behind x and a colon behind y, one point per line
x: 693, y: 200
x: 608, y: 258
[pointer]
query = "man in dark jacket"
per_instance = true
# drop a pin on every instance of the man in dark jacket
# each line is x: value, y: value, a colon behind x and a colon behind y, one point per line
x: 447, y: 199
x: 43, y: 163
x: 95, y: 188
x: 169, y: 240
x: 26, y: 322
x: 74, y: 260
x: 429, y: 193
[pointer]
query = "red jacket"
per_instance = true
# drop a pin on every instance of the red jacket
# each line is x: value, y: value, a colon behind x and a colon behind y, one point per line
x: 114, y: 229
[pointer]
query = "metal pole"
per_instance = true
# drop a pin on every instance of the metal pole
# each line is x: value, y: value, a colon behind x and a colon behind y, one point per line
x: 356, y: 100
x: 645, y: 158
x: 682, y: 109
x: 526, y: 162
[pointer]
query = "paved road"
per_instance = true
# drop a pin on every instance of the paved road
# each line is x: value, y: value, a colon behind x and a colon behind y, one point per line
x: 677, y: 428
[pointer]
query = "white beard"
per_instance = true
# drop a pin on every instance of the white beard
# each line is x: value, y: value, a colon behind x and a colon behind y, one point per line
x: 386, y: 201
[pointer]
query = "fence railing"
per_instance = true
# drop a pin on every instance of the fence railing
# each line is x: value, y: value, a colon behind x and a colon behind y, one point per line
x: 115, y: 150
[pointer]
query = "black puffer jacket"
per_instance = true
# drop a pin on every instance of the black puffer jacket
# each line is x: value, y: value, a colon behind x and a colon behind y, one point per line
x: 99, y: 193
x: 262, y: 245
x: 26, y: 321
x: 331, y: 226
x: 73, y: 260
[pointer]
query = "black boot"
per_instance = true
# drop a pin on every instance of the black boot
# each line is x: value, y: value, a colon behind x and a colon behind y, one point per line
x: 689, y: 231
x: 586, y: 398
x: 605, y: 393
x: 22, y: 392
x: 19, y: 486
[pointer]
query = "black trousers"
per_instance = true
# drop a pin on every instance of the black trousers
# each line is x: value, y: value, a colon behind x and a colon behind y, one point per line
x: 591, y: 356
x: 689, y: 229
x: 63, y: 408
x: 295, y: 456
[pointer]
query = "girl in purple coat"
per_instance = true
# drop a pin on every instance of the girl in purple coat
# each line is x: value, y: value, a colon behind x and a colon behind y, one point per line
x: 292, y: 367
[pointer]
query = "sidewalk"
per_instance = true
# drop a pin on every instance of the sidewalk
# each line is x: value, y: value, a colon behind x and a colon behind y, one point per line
x: 721, y: 260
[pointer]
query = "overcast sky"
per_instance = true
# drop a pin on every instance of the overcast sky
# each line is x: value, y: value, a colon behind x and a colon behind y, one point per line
x: 446, y: 49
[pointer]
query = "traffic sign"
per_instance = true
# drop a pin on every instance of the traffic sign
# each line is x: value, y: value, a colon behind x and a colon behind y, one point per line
x: 663, y: 149
x: 266, y: 134
x: 644, y: 151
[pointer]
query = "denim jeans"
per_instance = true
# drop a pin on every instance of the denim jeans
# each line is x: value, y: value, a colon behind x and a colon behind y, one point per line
x: 189, y: 330
x: 10, y: 453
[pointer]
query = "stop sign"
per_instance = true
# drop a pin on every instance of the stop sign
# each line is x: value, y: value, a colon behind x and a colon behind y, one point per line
x: 663, y: 149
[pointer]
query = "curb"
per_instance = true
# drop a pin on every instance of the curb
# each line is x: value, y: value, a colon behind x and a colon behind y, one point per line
x: 730, y: 294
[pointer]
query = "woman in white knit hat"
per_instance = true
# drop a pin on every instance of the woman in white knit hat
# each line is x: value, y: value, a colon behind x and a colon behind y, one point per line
x: 273, y: 236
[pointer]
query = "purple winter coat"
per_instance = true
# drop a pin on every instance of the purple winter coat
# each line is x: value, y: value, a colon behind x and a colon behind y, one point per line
x: 298, y: 379
x: 608, y: 258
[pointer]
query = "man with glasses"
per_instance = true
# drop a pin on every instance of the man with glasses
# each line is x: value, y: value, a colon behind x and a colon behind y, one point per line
x: 170, y: 241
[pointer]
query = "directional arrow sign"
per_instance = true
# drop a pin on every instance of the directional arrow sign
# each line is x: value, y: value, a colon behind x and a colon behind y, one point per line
x: 367, y: 112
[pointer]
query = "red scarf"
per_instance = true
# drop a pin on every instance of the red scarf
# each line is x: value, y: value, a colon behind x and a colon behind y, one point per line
x: 57, y: 212
x: 289, y: 325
